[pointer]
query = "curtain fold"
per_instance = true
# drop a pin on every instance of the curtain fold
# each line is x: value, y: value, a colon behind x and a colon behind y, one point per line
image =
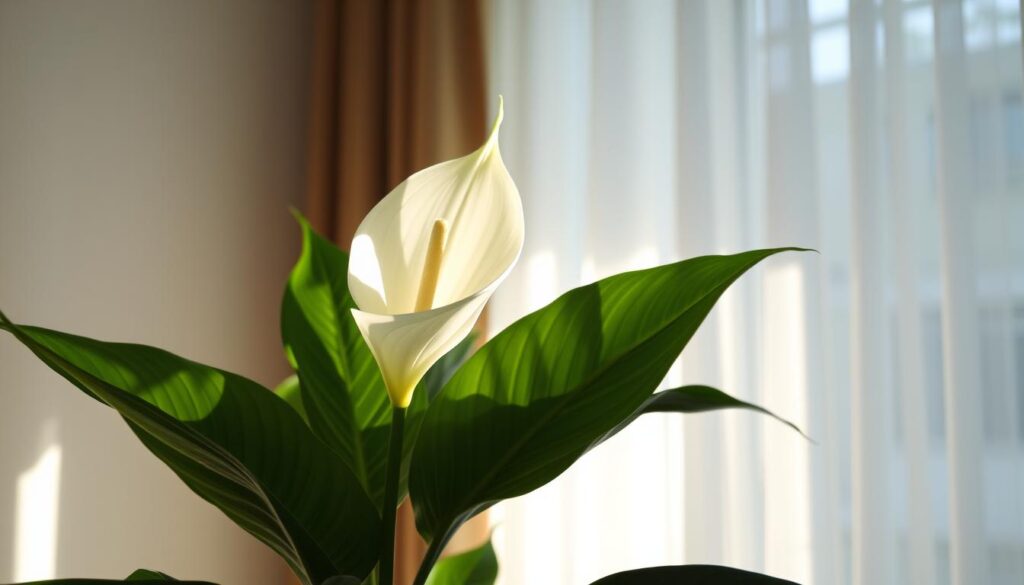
x: 398, y: 85
x: 888, y: 135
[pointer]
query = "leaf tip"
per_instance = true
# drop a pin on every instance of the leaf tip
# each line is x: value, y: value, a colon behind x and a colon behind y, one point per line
x: 801, y: 249
x: 299, y: 217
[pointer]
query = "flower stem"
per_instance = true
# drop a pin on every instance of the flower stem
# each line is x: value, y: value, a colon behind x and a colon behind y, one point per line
x: 387, y: 545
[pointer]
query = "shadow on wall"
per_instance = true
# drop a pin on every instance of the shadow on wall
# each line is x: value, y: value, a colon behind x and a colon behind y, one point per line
x: 147, y: 163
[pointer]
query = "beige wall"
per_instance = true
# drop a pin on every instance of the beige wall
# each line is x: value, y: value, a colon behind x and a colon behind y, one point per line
x: 149, y: 152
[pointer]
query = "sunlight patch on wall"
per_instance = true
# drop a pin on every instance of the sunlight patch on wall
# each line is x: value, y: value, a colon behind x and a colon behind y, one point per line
x: 35, y: 523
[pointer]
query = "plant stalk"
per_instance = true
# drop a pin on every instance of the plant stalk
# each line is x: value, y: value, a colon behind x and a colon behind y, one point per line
x: 387, y: 545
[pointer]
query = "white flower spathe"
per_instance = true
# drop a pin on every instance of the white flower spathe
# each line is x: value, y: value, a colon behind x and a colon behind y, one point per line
x: 427, y: 258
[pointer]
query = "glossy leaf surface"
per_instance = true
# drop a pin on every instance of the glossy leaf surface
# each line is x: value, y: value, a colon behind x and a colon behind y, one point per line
x: 73, y: 581
x: 149, y: 575
x: 442, y: 371
x: 138, y: 577
x: 134, y: 581
x: 342, y: 391
x: 691, y: 399
x: 290, y: 391
x: 338, y: 387
x: 536, y: 397
x: 690, y: 575
x: 233, y: 442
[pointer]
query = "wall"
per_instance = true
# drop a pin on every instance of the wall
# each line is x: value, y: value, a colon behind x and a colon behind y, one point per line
x: 149, y: 152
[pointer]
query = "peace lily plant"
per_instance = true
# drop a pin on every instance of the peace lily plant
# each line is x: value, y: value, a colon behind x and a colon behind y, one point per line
x: 388, y: 401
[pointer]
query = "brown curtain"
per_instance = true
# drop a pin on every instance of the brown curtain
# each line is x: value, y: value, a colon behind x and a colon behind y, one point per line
x: 397, y: 86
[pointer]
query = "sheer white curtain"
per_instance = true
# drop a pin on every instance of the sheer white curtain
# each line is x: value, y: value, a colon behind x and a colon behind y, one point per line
x: 887, y: 134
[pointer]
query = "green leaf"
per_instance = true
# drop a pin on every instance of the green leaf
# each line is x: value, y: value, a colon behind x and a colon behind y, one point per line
x: 428, y: 388
x: 690, y: 575
x: 139, y: 577
x: 690, y: 399
x: 442, y: 371
x: 291, y: 392
x: 478, y: 566
x: 343, y: 580
x: 113, y: 581
x: 233, y: 442
x: 536, y: 397
x: 157, y: 581
x: 147, y: 575
x: 341, y: 387
x: 339, y: 384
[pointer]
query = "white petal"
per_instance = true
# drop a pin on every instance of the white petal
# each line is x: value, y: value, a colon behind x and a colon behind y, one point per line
x: 406, y: 345
x: 478, y: 199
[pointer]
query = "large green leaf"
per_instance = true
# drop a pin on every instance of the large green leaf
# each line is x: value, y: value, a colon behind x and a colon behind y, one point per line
x: 113, y: 581
x: 442, y: 371
x: 536, y: 397
x: 339, y: 388
x: 149, y: 575
x: 428, y: 389
x: 478, y: 566
x: 234, y: 443
x: 690, y: 575
x: 291, y: 392
x: 342, y: 391
x: 139, y: 577
x: 691, y: 399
